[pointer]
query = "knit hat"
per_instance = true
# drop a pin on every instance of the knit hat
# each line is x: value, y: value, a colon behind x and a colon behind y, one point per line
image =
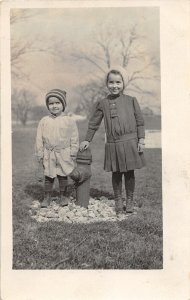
x: 59, y: 94
x: 121, y: 70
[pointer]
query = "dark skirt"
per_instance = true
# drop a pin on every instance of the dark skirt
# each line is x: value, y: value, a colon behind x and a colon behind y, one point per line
x: 123, y: 156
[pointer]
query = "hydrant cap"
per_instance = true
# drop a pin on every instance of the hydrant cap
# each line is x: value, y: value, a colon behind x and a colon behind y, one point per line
x: 85, y: 155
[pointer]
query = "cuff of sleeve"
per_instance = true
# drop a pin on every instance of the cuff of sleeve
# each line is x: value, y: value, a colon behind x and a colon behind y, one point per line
x: 141, y: 132
x: 141, y: 141
x: 89, y: 135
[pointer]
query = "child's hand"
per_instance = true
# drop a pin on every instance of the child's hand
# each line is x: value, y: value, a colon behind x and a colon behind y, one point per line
x: 40, y: 170
x: 74, y: 157
x: 40, y: 160
x: 141, y: 145
x: 84, y: 145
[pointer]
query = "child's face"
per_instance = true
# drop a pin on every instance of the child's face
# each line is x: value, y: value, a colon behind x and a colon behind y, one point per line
x: 115, y: 84
x: 55, y: 106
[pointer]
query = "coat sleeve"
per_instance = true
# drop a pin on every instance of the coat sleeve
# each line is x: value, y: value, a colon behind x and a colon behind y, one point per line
x: 95, y: 121
x: 139, y: 119
x: 39, y: 149
x: 74, y: 141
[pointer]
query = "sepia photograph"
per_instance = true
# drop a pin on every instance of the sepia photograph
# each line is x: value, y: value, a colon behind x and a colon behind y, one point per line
x: 94, y: 150
x: 86, y: 138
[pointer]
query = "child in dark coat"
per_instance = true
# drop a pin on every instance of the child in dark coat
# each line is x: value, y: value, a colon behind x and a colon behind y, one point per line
x: 125, y: 133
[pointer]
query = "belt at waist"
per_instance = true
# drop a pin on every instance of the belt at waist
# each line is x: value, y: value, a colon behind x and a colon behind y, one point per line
x: 56, y: 148
x: 125, y: 137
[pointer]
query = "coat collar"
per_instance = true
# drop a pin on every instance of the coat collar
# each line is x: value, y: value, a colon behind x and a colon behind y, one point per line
x: 55, y: 117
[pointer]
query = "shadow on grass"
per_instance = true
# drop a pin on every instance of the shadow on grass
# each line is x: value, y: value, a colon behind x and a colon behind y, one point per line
x: 36, y: 191
x: 96, y: 193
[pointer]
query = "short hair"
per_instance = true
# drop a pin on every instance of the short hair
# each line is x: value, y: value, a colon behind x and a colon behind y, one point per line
x: 115, y: 72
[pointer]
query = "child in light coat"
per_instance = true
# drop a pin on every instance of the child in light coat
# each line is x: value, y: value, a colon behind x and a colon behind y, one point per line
x: 57, y: 143
x: 125, y: 133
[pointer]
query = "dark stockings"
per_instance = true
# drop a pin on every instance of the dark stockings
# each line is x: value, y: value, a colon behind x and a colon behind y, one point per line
x: 117, y: 189
x: 48, y: 184
x: 63, y: 182
x: 129, y: 187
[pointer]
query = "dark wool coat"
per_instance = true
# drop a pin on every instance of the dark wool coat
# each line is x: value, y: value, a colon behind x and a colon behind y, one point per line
x: 124, y: 125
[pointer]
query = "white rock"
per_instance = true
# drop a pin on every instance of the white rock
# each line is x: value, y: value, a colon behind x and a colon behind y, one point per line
x: 51, y: 214
x: 62, y: 213
x: 80, y: 220
x: 43, y: 212
x: 92, y: 202
x: 41, y: 219
x: 70, y: 214
x: 106, y: 218
x: 65, y: 209
x: 35, y: 204
x: 56, y: 208
x: 83, y: 209
x: 121, y: 217
x: 98, y: 211
x: 77, y: 207
x: 30, y: 212
x: 78, y: 213
x: 103, y: 199
x: 67, y: 220
x: 71, y: 207
x: 96, y: 206
x: 84, y: 213
x: 91, y: 214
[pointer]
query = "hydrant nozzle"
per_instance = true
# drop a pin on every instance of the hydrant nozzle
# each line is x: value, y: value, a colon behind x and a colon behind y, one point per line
x: 81, y: 175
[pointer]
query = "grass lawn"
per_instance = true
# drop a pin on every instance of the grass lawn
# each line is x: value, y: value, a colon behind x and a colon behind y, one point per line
x: 134, y: 243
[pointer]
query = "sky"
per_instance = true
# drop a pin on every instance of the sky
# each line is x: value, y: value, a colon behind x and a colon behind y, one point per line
x: 69, y: 29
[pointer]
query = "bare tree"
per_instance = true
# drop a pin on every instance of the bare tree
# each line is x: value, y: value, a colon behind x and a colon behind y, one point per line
x: 89, y: 94
x: 21, y: 48
x: 110, y: 45
x: 22, y: 103
x: 99, y: 50
x: 21, y: 15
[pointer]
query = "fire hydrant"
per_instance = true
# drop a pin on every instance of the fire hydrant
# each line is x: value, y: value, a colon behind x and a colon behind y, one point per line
x: 81, y: 176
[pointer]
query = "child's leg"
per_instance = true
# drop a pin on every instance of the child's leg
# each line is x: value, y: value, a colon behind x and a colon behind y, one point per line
x: 63, y: 183
x: 48, y: 185
x: 129, y: 187
x: 117, y: 188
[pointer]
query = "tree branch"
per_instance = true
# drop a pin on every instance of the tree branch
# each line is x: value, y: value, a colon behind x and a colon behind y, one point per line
x: 83, y: 56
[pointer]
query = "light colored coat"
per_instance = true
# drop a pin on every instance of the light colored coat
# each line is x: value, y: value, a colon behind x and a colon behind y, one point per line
x: 57, y: 142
